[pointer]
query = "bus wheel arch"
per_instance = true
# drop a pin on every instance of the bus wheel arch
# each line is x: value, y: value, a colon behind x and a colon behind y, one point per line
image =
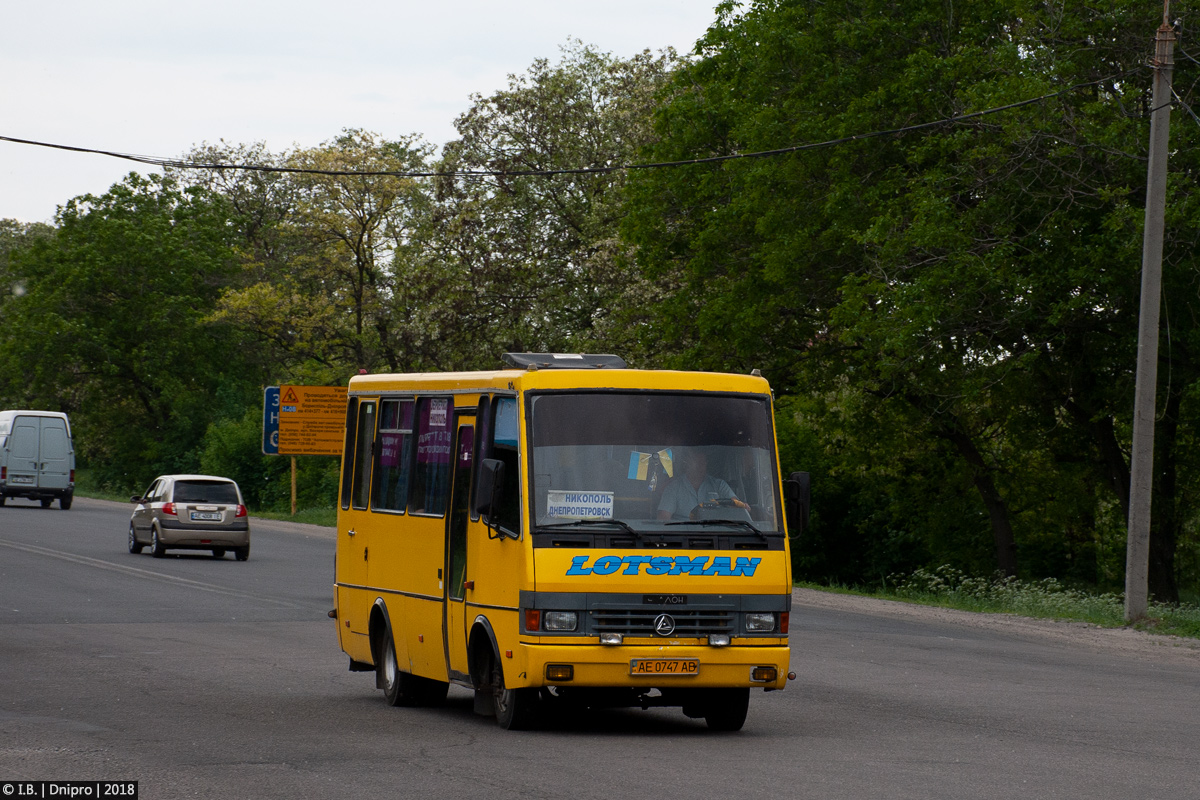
x: 481, y: 648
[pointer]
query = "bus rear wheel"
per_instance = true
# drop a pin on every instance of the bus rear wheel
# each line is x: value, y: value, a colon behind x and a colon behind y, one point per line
x: 403, y: 688
x: 395, y: 684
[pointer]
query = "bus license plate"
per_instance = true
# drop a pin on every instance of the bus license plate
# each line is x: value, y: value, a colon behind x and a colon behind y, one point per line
x: 205, y: 515
x: 23, y: 479
x: 664, y: 666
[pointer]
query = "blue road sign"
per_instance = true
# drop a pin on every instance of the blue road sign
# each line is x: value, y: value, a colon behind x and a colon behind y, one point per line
x: 270, y: 445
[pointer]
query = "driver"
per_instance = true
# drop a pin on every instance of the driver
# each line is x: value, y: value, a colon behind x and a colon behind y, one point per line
x: 693, y: 488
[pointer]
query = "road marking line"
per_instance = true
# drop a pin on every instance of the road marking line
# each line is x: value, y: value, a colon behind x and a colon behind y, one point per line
x: 142, y: 573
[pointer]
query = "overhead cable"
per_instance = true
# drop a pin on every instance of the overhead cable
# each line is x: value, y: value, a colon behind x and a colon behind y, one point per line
x: 173, y: 163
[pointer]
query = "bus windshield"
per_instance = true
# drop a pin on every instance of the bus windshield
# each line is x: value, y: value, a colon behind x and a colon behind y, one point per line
x: 659, y: 466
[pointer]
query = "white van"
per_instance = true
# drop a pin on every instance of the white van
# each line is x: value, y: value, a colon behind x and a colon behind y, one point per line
x: 37, y: 457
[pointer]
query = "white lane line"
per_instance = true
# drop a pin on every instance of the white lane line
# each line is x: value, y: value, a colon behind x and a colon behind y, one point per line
x: 142, y: 573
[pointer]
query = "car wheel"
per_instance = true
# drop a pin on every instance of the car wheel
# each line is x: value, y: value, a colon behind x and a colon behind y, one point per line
x: 46, y: 501
x: 726, y: 709
x: 135, y: 546
x: 156, y: 546
x: 218, y: 553
x: 515, y: 708
x: 64, y: 502
x: 241, y: 553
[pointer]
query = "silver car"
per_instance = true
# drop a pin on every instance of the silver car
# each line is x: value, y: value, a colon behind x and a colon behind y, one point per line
x: 190, y: 512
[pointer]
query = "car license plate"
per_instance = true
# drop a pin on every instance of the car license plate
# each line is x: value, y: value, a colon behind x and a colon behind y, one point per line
x: 664, y: 666
x: 22, y: 479
x: 206, y: 515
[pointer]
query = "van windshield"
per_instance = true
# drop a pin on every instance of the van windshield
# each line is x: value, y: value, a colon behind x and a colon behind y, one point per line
x: 665, y: 468
x: 205, y: 492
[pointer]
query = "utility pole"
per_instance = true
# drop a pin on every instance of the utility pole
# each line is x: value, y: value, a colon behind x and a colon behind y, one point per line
x: 1137, y: 554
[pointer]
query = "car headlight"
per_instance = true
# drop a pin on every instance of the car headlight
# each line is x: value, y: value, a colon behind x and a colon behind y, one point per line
x: 559, y: 620
x: 759, y: 622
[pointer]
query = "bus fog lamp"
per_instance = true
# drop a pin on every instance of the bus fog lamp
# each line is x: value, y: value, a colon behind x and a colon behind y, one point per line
x: 764, y: 674
x: 760, y: 622
x: 718, y: 639
x: 560, y: 672
x: 559, y: 620
x: 611, y: 638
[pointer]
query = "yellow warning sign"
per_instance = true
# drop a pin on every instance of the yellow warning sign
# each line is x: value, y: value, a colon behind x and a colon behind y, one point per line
x: 312, y: 420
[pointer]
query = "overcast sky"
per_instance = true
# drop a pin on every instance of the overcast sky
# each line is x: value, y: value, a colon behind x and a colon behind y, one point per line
x: 156, y: 78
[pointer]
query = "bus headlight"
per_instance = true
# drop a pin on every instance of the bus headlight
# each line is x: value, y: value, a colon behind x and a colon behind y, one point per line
x: 559, y: 620
x: 758, y: 622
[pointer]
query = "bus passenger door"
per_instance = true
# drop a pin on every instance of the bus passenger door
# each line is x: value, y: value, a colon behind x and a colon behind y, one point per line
x: 456, y: 611
x: 354, y: 523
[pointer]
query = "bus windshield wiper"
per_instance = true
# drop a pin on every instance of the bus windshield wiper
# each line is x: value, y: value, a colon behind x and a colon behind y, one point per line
x: 622, y: 524
x: 736, y: 522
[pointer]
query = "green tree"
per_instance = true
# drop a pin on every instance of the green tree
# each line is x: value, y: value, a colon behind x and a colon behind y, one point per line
x: 538, y: 258
x: 978, y: 280
x: 111, y: 326
x: 331, y: 257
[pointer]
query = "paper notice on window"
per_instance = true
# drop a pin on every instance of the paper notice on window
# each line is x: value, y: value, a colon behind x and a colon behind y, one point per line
x: 579, y: 505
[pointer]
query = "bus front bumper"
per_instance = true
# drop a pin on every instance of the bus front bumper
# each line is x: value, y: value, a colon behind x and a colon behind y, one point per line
x: 656, y: 666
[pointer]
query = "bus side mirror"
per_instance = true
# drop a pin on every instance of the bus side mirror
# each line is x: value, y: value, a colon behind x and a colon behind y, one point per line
x: 796, y: 501
x: 487, y: 493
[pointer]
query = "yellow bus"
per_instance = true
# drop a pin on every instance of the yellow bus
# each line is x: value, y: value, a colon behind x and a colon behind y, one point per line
x: 565, y: 531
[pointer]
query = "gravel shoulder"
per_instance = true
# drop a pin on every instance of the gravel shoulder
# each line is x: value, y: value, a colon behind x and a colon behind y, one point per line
x: 1115, y: 641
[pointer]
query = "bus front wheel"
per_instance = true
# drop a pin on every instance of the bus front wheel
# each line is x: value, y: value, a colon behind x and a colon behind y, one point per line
x: 726, y: 709
x: 515, y: 708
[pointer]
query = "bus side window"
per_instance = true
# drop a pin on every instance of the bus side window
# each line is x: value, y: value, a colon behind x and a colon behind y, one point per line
x: 483, y: 446
x: 393, y: 455
x: 504, y: 446
x: 431, y: 478
x: 362, y: 453
x: 348, y: 452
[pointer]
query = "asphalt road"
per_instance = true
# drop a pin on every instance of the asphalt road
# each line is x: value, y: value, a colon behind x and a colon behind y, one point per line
x: 221, y: 679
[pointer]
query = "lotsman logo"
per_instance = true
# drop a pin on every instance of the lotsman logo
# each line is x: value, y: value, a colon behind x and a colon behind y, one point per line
x: 665, y: 565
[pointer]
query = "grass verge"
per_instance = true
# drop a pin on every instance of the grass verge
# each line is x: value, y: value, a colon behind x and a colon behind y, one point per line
x: 947, y: 587
x: 311, y: 516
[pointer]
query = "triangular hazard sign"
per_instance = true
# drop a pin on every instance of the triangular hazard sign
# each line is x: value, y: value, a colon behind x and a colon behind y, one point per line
x: 290, y: 396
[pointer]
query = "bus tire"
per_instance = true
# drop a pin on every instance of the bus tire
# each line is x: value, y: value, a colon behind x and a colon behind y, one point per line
x: 397, y: 685
x: 726, y: 709
x: 516, y: 709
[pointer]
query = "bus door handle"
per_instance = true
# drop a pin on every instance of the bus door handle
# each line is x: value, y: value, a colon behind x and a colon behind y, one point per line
x: 469, y: 585
x: 350, y: 532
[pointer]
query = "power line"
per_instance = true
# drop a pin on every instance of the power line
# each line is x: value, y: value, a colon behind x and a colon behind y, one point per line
x: 192, y: 165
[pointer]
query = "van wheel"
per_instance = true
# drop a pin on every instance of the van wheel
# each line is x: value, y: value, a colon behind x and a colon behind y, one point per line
x: 64, y: 502
x: 241, y: 553
x: 156, y: 546
x: 515, y: 708
x: 135, y: 546
x: 47, y: 501
x: 725, y: 709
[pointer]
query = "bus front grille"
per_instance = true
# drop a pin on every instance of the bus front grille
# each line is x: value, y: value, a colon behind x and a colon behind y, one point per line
x: 640, y: 621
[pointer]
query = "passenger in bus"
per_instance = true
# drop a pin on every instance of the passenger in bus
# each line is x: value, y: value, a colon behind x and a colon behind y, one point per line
x: 694, y: 487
